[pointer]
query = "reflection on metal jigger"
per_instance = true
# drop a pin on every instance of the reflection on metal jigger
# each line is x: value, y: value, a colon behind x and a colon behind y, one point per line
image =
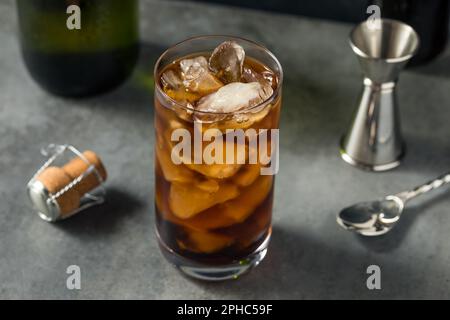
x: 374, y: 141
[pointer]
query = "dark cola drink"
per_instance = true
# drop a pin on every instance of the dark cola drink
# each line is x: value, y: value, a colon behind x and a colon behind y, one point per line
x: 216, y: 119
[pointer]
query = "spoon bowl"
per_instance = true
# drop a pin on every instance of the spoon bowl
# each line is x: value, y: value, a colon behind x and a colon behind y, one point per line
x: 372, y: 218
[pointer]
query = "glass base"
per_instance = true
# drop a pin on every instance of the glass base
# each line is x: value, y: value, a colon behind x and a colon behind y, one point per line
x: 217, y: 272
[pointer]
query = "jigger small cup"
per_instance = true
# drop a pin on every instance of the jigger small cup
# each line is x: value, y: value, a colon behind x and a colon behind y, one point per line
x: 374, y: 141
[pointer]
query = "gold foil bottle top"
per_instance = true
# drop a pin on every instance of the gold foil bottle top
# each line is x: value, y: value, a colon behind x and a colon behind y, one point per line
x: 57, y: 192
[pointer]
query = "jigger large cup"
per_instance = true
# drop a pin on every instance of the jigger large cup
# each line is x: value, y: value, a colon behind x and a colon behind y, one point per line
x: 374, y: 141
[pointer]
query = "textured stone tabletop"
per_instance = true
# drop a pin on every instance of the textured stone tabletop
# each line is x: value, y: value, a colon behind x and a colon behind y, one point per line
x: 309, y: 257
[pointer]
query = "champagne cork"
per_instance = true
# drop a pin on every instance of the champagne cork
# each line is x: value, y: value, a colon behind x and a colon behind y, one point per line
x: 77, y: 166
x: 58, y: 191
x: 54, y: 179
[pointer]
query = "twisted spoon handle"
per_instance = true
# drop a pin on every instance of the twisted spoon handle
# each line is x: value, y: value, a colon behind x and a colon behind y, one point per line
x: 431, y: 185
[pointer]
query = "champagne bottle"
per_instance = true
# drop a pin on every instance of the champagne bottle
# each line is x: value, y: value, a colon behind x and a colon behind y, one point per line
x: 430, y: 19
x: 95, y: 56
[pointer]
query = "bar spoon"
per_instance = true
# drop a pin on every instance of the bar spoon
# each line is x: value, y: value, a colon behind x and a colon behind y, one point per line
x: 375, y: 218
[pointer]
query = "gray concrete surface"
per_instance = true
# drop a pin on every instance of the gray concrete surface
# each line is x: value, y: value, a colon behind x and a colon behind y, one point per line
x: 310, y: 256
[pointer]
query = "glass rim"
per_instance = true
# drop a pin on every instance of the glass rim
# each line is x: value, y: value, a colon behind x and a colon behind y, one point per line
x: 206, y: 37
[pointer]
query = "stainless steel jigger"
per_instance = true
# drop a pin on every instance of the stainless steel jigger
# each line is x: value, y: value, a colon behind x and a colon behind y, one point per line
x: 374, y: 141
